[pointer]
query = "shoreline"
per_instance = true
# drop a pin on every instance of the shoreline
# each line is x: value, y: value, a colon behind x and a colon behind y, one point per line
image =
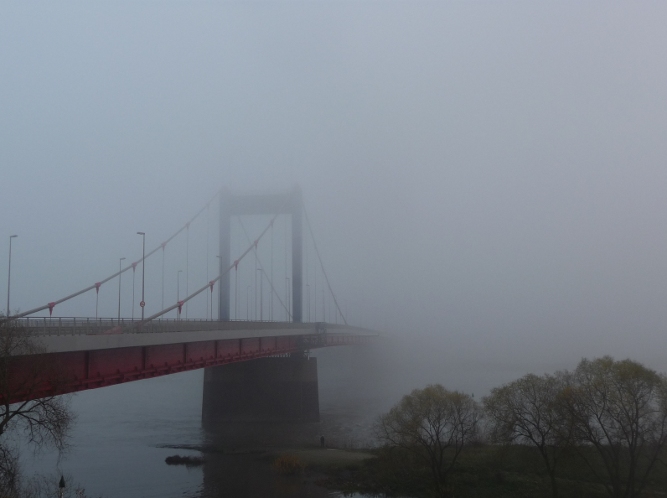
x: 321, y: 470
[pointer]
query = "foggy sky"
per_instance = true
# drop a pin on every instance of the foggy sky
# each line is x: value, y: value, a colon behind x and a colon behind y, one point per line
x: 487, y: 176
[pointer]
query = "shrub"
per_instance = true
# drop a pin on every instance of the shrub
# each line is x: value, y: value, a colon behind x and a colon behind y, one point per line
x: 288, y: 465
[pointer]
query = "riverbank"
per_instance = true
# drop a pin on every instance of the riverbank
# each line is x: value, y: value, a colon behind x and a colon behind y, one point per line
x: 251, y: 470
x: 482, y: 471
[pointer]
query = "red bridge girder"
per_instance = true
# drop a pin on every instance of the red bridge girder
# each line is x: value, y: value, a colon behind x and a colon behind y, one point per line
x: 81, y: 370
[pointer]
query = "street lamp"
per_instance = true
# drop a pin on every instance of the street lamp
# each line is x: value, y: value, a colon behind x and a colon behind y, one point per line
x: 288, y: 293
x: 247, y: 302
x: 261, y: 296
x: 120, y: 274
x: 143, y: 272
x: 61, y: 486
x: 9, y: 272
x: 178, y: 291
x: 219, y: 285
x: 308, y: 300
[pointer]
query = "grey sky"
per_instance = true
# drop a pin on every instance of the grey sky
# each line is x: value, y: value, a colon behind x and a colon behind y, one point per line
x: 488, y: 173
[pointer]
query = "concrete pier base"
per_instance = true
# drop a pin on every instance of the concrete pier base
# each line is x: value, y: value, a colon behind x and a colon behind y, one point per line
x: 265, y: 389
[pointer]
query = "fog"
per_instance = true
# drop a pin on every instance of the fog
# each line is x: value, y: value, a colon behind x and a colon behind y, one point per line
x: 485, y: 180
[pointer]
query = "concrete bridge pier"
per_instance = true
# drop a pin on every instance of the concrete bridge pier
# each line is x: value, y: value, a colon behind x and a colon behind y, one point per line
x: 265, y: 389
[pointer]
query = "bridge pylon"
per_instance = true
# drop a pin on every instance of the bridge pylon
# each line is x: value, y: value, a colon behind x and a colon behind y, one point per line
x: 289, y: 203
x: 278, y: 389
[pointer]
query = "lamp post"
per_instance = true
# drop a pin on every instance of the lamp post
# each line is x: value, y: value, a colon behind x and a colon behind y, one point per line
x: 61, y: 487
x: 178, y: 291
x: 289, y: 298
x: 9, y: 272
x: 163, y: 244
x: 247, y: 302
x: 134, y: 274
x: 219, y: 285
x: 308, y: 299
x: 120, y: 274
x: 261, y: 296
x: 187, y: 266
x: 143, y: 272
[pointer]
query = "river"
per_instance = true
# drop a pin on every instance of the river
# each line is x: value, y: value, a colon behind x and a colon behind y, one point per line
x: 123, y: 434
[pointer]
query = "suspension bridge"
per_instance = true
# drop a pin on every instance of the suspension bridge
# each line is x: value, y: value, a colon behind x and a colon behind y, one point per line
x: 267, y: 311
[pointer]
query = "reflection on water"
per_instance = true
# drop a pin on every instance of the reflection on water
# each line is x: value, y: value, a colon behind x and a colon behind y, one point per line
x: 238, y: 457
x: 251, y: 475
x: 124, y: 433
x: 117, y: 438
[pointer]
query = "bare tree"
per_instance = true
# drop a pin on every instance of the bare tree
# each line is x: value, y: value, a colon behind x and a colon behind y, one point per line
x: 527, y: 411
x: 619, y: 409
x: 9, y: 472
x: 433, y: 424
x: 25, y: 369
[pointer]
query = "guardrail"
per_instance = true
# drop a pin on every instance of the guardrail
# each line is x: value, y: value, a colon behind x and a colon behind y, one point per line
x: 92, y: 326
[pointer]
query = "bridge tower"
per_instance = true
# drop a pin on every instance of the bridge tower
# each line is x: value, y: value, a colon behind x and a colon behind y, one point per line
x: 234, y: 204
x: 279, y: 389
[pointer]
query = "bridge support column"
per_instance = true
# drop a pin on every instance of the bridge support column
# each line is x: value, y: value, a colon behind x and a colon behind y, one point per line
x: 265, y: 389
x: 232, y: 205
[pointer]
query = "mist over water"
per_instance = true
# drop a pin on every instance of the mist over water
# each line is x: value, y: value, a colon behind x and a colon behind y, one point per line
x: 485, y: 180
x: 123, y: 433
x: 116, y: 437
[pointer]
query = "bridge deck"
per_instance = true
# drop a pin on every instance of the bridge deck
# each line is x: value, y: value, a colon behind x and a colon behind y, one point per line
x: 86, y: 337
x: 85, y: 358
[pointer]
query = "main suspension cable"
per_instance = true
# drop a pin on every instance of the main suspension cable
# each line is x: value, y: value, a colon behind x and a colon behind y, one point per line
x: 97, y: 285
x: 235, y: 264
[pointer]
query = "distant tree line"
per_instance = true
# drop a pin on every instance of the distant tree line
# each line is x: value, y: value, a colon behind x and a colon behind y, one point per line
x: 611, y: 416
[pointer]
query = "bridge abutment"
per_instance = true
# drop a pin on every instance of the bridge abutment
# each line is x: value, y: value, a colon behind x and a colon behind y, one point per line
x: 264, y: 389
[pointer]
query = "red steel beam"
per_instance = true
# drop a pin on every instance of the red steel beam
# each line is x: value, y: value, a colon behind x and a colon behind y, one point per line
x: 81, y: 370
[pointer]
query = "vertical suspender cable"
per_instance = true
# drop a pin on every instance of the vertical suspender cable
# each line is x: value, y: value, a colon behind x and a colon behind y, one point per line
x: 134, y: 268
x: 271, y: 303
x: 287, y: 278
x: 207, y: 236
x: 187, y: 266
x: 319, y: 257
x: 254, y: 293
x: 315, y: 292
x: 236, y: 244
x: 51, y: 305
x: 307, y: 283
x: 162, y: 276
x: 274, y: 292
x: 207, y: 286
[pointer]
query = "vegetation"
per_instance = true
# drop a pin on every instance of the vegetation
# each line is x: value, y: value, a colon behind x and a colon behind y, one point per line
x: 618, y: 408
x: 44, y: 421
x: 288, y: 465
x: 528, y: 411
x: 431, y: 426
x: 598, y: 431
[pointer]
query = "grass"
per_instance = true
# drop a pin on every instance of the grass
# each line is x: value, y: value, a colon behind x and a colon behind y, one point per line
x: 288, y: 465
x: 482, y: 471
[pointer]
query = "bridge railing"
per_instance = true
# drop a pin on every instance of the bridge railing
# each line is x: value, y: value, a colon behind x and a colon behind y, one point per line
x: 88, y: 326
